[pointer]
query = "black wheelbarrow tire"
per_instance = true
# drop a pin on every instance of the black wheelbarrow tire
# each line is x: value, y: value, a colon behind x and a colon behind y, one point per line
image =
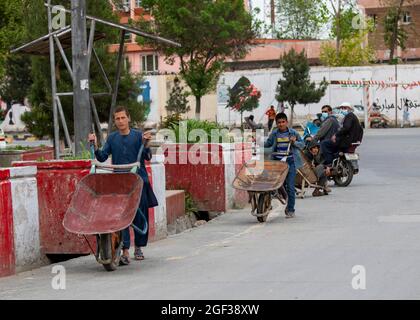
x: 110, y: 249
x: 264, y: 202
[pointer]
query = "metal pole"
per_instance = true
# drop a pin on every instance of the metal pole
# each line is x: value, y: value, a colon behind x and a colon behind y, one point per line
x: 396, y: 96
x: 53, y: 87
x: 97, y: 122
x: 63, y: 121
x: 117, y: 81
x: 81, y: 103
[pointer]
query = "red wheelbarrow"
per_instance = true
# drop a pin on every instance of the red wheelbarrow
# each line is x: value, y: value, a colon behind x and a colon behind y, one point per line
x: 104, y: 204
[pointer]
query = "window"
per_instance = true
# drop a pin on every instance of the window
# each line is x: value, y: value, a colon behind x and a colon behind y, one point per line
x: 127, y: 37
x: 138, y: 3
x: 150, y: 63
x: 126, y: 5
x: 406, y: 17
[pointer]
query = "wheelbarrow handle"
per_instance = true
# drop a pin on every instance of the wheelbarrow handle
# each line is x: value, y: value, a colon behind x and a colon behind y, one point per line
x: 115, y: 166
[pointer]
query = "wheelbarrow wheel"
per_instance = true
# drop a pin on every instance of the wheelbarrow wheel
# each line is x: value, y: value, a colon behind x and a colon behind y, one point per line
x: 110, y: 250
x: 264, y: 203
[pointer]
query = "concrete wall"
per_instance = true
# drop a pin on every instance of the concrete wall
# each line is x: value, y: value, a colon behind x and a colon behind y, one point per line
x: 266, y: 81
x: 207, y: 173
x: 19, y: 216
x: 157, y: 170
x: 161, y: 87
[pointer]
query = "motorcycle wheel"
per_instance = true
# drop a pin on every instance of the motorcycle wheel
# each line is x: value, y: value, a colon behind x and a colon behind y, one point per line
x: 264, y: 202
x: 110, y: 249
x: 345, y: 174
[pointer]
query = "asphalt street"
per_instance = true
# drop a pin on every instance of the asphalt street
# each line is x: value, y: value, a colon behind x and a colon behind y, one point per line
x: 359, y: 242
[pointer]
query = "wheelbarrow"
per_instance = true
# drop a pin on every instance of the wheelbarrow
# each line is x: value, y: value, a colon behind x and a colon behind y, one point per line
x: 104, y: 204
x: 263, y: 180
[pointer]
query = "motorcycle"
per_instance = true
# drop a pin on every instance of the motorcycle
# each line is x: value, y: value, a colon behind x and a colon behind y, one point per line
x: 345, y: 166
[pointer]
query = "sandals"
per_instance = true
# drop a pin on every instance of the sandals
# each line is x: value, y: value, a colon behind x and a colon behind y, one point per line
x: 138, y: 254
x: 124, y: 260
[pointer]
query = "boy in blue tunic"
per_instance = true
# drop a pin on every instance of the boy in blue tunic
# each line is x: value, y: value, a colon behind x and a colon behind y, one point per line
x: 124, y: 146
x: 285, y: 143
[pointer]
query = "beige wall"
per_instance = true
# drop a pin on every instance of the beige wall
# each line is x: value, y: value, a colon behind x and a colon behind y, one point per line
x: 160, y: 92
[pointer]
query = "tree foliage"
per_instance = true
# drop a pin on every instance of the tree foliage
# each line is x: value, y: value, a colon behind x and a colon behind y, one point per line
x: 395, y: 34
x: 36, y: 25
x: 296, y: 86
x: 209, y: 33
x: 12, y: 29
x: 178, y: 99
x: 352, y: 52
x: 300, y: 19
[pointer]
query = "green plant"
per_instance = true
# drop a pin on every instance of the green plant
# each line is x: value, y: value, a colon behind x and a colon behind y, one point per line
x: 190, y: 205
x: 178, y: 99
x: 84, y: 155
x: 18, y: 148
x: 296, y: 86
x: 199, y: 126
x: 170, y: 121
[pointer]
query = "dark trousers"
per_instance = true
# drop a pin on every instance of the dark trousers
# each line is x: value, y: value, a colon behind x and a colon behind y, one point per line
x: 329, y: 149
x: 290, y: 186
x: 139, y: 239
x: 320, y: 174
x: 270, y: 124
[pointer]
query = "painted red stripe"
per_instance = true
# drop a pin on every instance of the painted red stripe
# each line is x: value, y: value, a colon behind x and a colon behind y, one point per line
x: 7, y: 252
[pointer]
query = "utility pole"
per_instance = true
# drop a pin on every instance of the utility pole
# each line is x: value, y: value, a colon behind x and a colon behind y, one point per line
x: 81, y: 91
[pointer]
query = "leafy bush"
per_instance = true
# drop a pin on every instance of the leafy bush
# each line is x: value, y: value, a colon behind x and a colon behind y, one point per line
x: 205, y: 126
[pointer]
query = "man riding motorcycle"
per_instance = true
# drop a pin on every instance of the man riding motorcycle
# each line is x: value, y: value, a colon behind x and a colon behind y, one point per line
x: 351, y: 132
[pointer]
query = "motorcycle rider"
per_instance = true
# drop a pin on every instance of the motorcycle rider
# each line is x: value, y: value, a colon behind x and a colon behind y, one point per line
x: 329, y: 125
x: 349, y: 133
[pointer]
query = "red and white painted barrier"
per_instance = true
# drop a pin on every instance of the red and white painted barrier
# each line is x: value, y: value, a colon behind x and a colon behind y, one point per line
x: 207, y: 171
x: 19, y: 220
x: 156, y: 170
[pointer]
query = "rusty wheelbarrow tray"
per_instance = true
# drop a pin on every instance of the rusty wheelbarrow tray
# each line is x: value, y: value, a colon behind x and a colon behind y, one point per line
x: 263, y: 180
x: 104, y: 203
x: 305, y: 177
x: 259, y: 176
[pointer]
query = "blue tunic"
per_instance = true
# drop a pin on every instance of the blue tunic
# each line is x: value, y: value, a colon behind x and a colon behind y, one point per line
x: 124, y: 150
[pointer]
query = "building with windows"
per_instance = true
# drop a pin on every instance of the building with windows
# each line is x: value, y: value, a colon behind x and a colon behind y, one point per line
x: 142, y: 59
x: 409, y: 20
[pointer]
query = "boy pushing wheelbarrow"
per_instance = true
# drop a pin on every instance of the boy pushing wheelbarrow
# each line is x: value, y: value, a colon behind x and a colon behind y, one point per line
x: 124, y: 145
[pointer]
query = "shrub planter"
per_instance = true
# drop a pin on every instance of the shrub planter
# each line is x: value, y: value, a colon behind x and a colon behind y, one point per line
x: 7, y: 157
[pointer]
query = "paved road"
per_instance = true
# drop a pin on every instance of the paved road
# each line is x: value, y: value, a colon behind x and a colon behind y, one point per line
x: 373, y: 223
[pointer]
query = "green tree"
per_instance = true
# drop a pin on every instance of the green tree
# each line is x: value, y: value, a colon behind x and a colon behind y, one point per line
x: 178, y: 99
x: 16, y: 80
x: 11, y: 29
x: 348, y: 24
x: 353, y: 52
x: 296, y: 86
x: 209, y: 33
x: 394, y: 33
x: 40, y: 91
x: 300, y: 19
